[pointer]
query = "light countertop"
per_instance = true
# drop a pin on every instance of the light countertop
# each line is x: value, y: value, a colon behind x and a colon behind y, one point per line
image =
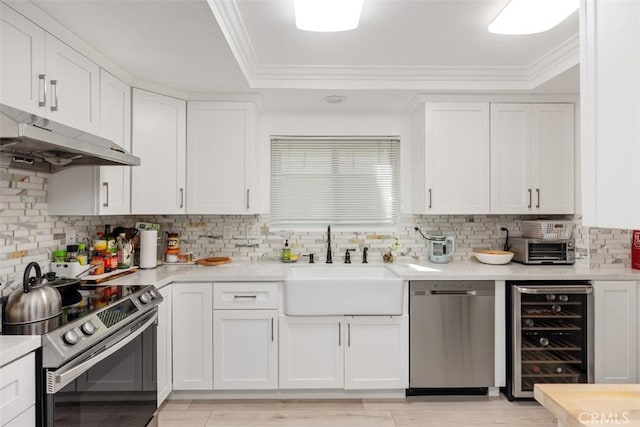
x: 13, y: 347
x: 418, y: 270
x: 591, y: 405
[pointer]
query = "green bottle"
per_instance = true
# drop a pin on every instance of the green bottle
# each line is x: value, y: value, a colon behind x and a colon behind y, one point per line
x: 286, y: 251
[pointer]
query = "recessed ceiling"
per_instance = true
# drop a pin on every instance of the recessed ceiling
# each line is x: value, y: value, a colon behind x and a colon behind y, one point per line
x: 401, y: 48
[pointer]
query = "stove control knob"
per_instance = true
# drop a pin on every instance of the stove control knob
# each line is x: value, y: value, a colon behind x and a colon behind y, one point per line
x: 144, y: 298
x: 88, y: 328
x: 71, y: 337
x: 154, y: 294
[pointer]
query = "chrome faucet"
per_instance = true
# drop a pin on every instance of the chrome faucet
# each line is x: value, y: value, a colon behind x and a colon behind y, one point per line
x: 329, y: 260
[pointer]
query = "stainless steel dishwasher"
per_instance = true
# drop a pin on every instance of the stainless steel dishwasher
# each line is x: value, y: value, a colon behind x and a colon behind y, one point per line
x: 451, y: 335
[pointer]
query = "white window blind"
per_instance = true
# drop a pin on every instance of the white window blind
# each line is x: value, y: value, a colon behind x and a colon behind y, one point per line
x: 334, y: 180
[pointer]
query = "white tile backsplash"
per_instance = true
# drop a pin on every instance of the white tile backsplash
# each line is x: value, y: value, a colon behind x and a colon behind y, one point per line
x: 26, y: 226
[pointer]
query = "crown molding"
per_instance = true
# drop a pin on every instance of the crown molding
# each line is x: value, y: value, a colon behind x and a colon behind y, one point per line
x: 262, y: 76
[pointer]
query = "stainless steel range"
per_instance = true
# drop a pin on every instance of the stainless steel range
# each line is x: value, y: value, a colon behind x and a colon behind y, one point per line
x: 92, y: 366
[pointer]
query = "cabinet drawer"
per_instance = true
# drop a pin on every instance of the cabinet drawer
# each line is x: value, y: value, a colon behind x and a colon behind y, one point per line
x: 245, y: 295
x: 17, y: 387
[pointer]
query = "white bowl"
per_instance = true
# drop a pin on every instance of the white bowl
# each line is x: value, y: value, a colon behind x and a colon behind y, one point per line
x: 491, y: 256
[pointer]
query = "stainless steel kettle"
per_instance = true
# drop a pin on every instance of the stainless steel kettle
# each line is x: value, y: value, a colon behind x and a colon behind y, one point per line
x: 34, y: 308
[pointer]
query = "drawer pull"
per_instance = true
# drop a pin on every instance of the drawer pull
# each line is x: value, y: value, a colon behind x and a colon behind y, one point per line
x: 245, y: 296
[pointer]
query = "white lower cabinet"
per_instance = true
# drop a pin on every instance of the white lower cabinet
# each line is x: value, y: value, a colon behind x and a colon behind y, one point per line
x: 355, y: 352
x: 163, y: 348
x: 376, y: 354
x: 616, y: 331
x: 18, y: 391
x: 311, y: 352
x: 192, y: 336
x: 245, y: 349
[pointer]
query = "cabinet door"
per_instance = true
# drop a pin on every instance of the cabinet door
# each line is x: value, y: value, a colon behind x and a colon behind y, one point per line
x: 99, y: 190
x: 511, y: 188
x: 457, y: 158
x: 115, y: 124
x: 553, y: 158
x: 164, y: 345
x: 610, y: 107
x: 311, y: 352
x: 159, y: 139
x: 73, y: 82
x: 376, y: 354
x: 192, y: 336
x: 245, y: 348
x: 616, y: 333
x: 219, y: 157
x: 18, y: 385
x: 23, y: 70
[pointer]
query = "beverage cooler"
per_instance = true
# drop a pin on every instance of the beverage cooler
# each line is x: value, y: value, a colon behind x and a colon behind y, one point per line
x: 549, y: 334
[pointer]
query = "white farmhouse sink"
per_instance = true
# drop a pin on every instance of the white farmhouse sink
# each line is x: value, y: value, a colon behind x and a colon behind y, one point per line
x: 342, y: 290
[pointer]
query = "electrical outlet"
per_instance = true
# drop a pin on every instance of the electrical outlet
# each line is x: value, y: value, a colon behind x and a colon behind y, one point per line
x: 72, y: 237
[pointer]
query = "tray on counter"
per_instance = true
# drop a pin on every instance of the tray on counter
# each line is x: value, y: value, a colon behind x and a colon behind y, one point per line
x: 101, y: 278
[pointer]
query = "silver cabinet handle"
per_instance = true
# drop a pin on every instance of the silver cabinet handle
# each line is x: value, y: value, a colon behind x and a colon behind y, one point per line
x: 54, y: 90
x: 529, y: 190
x: 106, y: 194
x: 348, y: 334
x: 182, y: 197
x: 42, y: 90
x: 339, y: 334
x: 430, y: 199
x: 272, y: 329
x: 538, y: 194
x: 247, y: 198
x: 245, y: 296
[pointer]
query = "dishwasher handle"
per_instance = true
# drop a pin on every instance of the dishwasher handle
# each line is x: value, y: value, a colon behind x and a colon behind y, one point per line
x: 554, y: 290
x: 452, y: 292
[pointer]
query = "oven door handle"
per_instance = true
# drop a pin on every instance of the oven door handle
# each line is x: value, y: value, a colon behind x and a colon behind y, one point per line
x: 57, y: 380
x: 555, y: 290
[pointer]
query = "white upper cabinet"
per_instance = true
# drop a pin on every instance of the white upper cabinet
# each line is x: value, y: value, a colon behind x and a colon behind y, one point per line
x: 104, y: 190
x: 44, y: 76
x: 73, y: 82
x: 22, y: 71
x: 159, y: 139
x: 115, y: 124
x: 610, y: 112
x: 451, y: 158
x: 532, y: 158
x: 220, y: 158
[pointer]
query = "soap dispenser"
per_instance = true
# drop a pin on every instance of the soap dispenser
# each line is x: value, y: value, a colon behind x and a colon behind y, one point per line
x: 286, y: 251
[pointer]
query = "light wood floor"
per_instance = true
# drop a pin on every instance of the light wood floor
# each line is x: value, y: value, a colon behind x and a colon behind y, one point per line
x: 446, y: 411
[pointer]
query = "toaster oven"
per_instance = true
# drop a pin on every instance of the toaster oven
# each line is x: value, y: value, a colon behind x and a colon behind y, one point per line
x: 538, y: 251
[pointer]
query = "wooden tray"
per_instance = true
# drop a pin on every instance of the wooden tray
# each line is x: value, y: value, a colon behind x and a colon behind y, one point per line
x: 213, y: 261
x: 101, y: 278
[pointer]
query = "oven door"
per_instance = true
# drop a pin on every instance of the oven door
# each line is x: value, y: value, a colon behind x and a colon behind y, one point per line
x: 112, y: 384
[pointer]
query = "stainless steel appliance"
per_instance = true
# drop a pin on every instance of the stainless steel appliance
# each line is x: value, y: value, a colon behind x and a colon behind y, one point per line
x: 451, y: 335
x: 96, y: 367
x: 36, y: 143
x: 549, y: 334
x: 538, y: 251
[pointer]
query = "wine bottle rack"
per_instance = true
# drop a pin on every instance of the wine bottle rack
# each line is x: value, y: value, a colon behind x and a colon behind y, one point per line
x: 549, y: 337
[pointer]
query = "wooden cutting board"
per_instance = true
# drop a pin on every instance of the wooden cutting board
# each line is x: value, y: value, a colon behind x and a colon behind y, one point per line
x: 213, y: 261
x: 101, y: 278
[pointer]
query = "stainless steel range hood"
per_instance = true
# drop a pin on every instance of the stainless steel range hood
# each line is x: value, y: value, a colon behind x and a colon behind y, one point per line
x: 31, y: 142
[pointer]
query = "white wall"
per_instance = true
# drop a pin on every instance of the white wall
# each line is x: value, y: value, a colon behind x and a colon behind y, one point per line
x: 331, y: 124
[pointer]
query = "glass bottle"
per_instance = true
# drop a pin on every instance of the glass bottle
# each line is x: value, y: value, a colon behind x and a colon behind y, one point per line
x: 123, y: 251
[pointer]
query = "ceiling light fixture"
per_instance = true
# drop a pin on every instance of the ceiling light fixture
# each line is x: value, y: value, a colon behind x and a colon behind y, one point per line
x: 327, y: 15
x: 532, y: 16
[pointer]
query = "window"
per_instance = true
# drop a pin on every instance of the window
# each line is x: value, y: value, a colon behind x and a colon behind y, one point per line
x: 334, y: 180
